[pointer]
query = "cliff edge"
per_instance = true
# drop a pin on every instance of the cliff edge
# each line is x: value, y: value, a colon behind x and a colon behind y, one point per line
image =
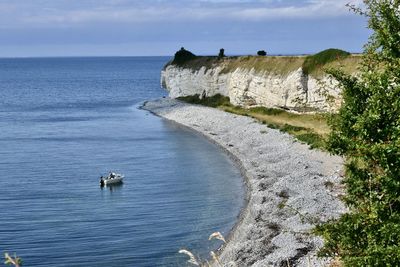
x: 272, y: 81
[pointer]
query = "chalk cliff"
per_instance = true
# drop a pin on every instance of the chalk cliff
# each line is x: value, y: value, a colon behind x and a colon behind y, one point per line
x: 248, y: 86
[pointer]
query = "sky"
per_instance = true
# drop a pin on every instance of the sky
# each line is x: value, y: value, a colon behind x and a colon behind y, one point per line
x: 36, y: 28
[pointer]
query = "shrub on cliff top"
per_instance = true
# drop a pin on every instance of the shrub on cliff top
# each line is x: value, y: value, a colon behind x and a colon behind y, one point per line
x: 320, y: 59
x: 182, y: 56
x: 261, y: 53
x: 221, y: 53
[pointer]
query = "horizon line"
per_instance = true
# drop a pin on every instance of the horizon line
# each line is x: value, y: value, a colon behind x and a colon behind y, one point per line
x: 121, y: 56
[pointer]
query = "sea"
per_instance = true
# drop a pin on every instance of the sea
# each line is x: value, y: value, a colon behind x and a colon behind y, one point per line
x: 64, y: 122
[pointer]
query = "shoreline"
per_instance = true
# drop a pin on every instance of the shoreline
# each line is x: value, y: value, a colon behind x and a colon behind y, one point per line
x: 237, y: 162
x: 289, y: 188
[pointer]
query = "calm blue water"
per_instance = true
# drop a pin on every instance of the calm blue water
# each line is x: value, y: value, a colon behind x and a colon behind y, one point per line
x: 66, y: 121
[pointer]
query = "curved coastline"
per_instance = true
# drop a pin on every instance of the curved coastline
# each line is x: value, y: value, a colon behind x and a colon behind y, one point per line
x: 289, y: 188
x: 232, y: 156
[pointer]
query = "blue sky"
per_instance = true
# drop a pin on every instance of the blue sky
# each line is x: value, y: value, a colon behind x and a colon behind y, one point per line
x: 160, y: 27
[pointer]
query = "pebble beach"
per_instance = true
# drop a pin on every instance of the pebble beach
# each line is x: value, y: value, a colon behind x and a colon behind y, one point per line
x: 290, y: 188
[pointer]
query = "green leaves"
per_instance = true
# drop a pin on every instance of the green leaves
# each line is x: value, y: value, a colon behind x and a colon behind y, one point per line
x: 366, y: 131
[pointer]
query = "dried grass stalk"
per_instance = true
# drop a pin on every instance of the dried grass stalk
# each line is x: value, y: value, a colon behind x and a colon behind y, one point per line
x: 192, y: 258
x: 217, y: 235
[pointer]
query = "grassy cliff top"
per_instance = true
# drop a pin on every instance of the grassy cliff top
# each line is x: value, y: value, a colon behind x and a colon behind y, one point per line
x: 279, y: 65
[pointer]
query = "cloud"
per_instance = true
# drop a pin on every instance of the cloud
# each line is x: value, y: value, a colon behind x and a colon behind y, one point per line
x: 136, y: 27
x: 311, y: 9
x: 14, y: 13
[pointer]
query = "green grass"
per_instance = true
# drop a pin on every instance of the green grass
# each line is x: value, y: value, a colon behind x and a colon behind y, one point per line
x: 290, y: 128
x: 313, y: 139
x: 320, y: 59
x: 271, y: 64
x: 282, y: 204
x: 199, y: 61
x: 260, y: 64
x: 314, y: 65
x: 307, y: 128
x: 266, y: 111
x: 213, y: 101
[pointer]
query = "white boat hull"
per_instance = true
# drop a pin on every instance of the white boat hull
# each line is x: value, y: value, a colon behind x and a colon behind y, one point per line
x: 112, y: 178
x: 113, y: 181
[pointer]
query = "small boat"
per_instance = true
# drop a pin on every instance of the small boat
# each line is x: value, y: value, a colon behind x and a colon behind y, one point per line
x: 111, y: 178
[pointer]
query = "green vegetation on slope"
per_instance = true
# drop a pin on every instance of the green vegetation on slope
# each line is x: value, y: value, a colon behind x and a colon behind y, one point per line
x: 307, y: 128
x: 200, y: 61
x: 349, y: 65
x: 213, y: 101
x: 270, y: 64
x: 317, y: 61
x: 314, y: 65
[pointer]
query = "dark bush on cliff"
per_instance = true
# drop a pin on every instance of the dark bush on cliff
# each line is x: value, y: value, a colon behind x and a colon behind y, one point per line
x: 261, y: 53
x: 221, y: 53
x: 318, y: 60
x: 183, y: 56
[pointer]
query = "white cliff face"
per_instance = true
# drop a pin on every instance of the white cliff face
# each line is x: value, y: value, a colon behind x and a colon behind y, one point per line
x: 324, y: 93
x: 249, y: 88
x: 266, y: 89
x: 185, y: 82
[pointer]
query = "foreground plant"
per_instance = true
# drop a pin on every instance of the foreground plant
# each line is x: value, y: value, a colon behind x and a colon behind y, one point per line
x: 193, y: 260
x: 217, y: 235
x: 16, y: 261
x: 367, y: 133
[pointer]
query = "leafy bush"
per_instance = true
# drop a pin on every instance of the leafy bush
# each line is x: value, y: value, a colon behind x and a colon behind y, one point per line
x: 320, y: 59
x: 183, y: 56
x: 367, y: 133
